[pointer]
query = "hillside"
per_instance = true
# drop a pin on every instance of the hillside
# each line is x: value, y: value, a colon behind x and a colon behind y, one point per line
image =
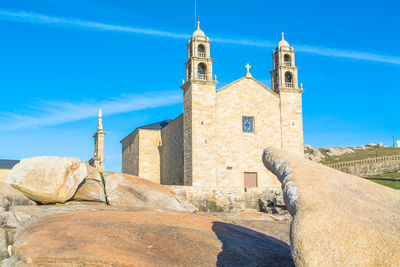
x: 342, y: 154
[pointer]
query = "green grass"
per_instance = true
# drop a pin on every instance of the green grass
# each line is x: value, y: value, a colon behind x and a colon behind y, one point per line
x: 391, y: 184
x: 393, y: 175
x: 360, y: 154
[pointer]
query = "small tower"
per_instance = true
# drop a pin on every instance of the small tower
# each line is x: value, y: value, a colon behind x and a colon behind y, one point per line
x: 284, y: 73
x: 199, y: 63
x: 284, y: 80
x: 98, y: 158
x: 199, y: 100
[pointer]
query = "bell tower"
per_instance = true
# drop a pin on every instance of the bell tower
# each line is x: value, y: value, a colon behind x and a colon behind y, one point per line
x: 199, y: 63
x: 284, y: 73
x: 284, y: 80
x: 199, y: 108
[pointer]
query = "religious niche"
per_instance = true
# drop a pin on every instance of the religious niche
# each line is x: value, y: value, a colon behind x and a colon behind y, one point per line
x: 248, y: 124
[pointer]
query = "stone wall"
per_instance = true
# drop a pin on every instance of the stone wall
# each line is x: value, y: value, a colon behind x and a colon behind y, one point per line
x: 3, y: 174
x: 292, y: 122
x: 187, y: 136
x: 229, y: 199
x: 372, y: 168
x: 200, y: 166
x: 149, y: 154
x: 240, y: 152
x: 130, y: 154
x: 141, y: 154
x: 172, y: 153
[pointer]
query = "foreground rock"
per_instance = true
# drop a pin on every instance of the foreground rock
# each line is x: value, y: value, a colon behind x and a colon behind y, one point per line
x: 128, y: 190
x: 10, y: 196
x: 107, y: 237
x: 48, y: 179
x: 339, y: 219
x: 92, y: 188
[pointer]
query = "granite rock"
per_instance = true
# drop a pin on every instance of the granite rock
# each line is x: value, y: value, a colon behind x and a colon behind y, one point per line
x: 338, y: 219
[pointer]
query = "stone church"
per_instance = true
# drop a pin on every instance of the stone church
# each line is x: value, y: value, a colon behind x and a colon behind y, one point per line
x: 219, y: 139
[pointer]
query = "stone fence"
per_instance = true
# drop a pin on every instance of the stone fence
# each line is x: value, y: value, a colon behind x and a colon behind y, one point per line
x: 213, y: 199
x: 369, y: 166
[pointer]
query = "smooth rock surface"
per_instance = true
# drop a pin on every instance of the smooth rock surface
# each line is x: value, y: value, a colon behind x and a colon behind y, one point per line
x: 48, y: 179
x: 10, y: 196
x: 11, y: 219
x: 339, y: 219
x: 108, y: 237
x: 128, y: 190
x: 92, y: 188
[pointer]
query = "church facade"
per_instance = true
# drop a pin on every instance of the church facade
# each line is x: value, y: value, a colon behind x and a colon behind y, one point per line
x: 219, y: 139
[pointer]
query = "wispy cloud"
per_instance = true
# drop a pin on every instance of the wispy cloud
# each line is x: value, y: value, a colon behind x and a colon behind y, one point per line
x: 81, y: 24
x: 47, y: 113
x: 28, y: 17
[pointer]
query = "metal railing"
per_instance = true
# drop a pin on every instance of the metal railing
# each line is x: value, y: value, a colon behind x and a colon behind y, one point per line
x: 202, y: 76
x: 201, y: 54
x: 363, y: 162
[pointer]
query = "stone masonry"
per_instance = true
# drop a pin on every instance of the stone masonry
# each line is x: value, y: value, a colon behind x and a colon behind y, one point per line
x: 219, y: 139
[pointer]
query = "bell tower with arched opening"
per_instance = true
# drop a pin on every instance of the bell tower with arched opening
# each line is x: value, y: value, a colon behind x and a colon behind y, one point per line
x: 199, y: 104
x: 284, y: 81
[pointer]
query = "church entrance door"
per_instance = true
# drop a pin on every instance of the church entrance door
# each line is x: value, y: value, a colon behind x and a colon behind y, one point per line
x: 250, y: 179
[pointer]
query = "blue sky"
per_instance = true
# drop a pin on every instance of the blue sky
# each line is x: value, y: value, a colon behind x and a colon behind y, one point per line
x: 60, y: 60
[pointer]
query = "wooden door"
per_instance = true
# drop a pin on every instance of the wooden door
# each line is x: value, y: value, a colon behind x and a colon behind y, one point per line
x: 250, y: 179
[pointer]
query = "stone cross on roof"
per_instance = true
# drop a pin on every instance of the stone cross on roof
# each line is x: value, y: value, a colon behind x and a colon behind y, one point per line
x: 248, y: 67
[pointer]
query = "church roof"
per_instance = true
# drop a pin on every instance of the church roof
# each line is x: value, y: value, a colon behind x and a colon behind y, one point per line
x: 251, y: 78
x: 156, y: 126
x: 7, y: 163
x: 283, y: 42
x: 198, y: 31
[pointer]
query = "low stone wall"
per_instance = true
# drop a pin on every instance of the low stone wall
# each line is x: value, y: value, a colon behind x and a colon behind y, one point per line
x: 370, y: 168
x: 228, y: 199
x: 3, y: 174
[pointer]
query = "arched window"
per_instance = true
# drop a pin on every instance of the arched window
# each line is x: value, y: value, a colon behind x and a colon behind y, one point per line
x: 202, y: 71
x: 189, y: 72
x: 286, y: 59
x: 201, y: 51
x: 276, y: 60
x: 289, y: 79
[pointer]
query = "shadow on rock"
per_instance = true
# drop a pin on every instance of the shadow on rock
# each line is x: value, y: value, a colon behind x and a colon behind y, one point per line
x: 244, y: 247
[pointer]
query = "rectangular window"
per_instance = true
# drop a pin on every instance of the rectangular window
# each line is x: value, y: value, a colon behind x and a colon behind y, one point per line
x: 248, y: 124
x: 250, y: 179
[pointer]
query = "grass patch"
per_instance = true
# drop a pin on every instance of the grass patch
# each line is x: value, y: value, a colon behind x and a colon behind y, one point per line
x: 360, y: 154
x: 391, y: 184
x: 392, y: 175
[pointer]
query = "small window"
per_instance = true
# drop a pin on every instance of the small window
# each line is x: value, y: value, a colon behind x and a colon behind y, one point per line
x: 248, y: 124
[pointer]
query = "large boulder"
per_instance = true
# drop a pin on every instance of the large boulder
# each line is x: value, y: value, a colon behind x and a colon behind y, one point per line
x: 92, y: 188
x: 339, y: 219
x: 10, y: 196
x: 128, y: 190
x: 48, y: 179
x: 143, y: 238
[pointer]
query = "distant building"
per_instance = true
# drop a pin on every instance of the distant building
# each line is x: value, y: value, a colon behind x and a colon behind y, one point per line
x: 98, y: 158
x: 219, y: 139
x: 5, y: 166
